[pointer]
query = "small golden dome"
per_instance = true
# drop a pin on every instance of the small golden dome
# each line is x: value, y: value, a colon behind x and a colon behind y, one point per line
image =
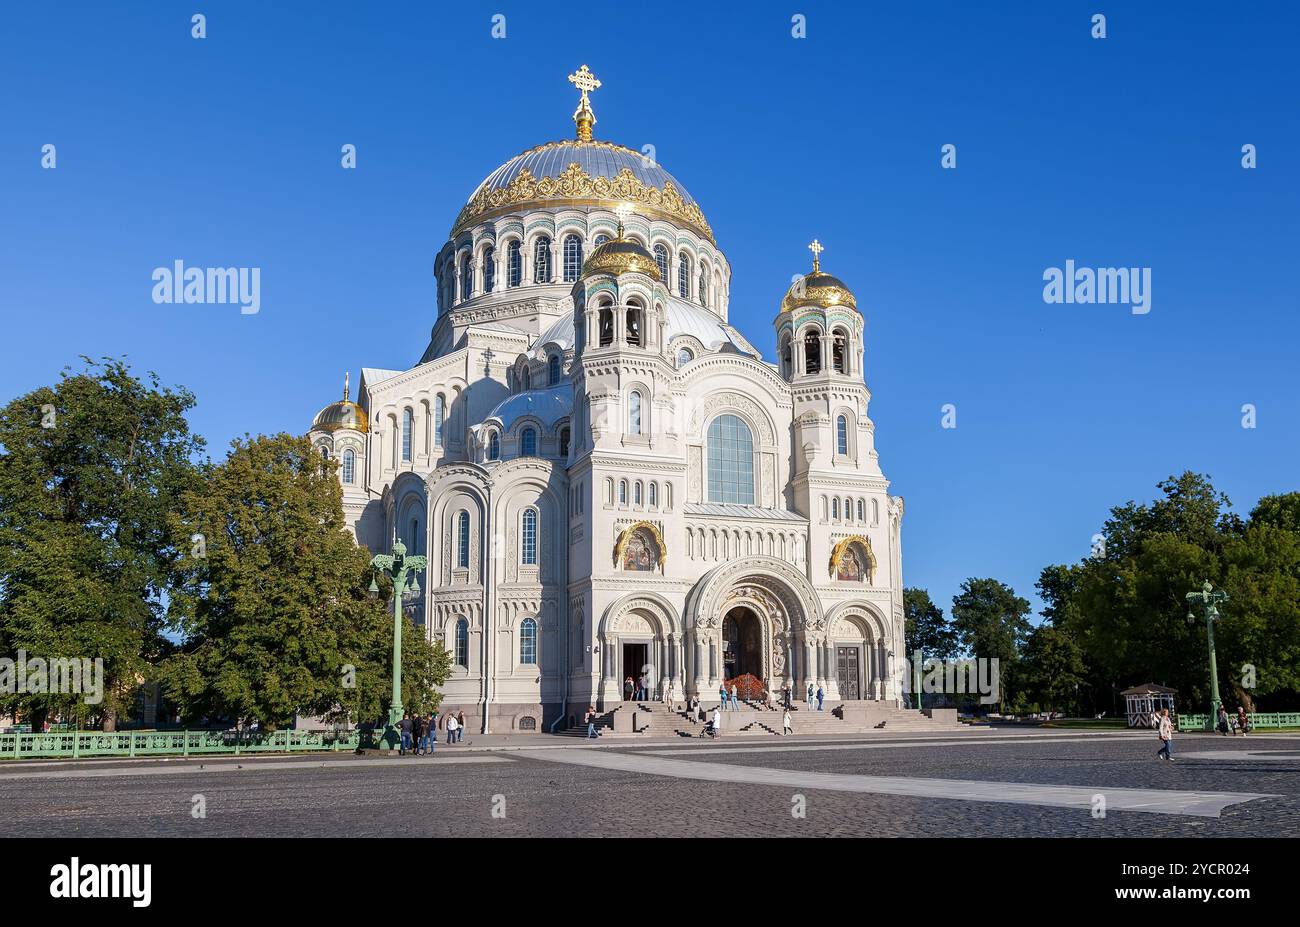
x: 817, y: 288
x: 342, y: 414
x: 620, y: 256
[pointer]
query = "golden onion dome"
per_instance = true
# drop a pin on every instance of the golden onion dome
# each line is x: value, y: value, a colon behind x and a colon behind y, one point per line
x: 817, y: 288
x: 342, y: 414
x: 620, y: 256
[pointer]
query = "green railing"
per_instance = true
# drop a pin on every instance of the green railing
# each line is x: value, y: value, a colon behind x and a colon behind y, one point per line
x: 1258, y: 722
x: 77, y: 744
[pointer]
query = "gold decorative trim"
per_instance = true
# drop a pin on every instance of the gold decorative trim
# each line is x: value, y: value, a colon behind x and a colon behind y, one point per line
x: 838, y: 553
x: 821, y: 290
x: 627, y: 536
x: 575, y: 187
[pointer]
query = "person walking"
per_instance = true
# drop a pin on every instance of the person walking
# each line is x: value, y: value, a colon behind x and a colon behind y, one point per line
x: 1223, y: 720
x: 786, y: 726
x: 451, y: 728
x: 591, y: 721
x: 667, y: 692
x: 460, y: 726
x: 820, y: 696
x: 735, y: 702
x: 1166, y: 729
x: 717, y: 722
x: 1243, y: 720
x: 811, y: 692
x: 786, y: 693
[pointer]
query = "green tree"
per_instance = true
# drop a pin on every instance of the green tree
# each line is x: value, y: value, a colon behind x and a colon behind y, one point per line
x: 274, y: 609
x: 90, y: 470
x: 1052, y: 668
x: 991, y: 623
x: 925, y: 627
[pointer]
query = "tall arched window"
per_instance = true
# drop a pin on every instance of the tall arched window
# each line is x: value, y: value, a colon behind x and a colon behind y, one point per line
x: 683, y: 276
x: 439, y: 414
x: 462, y: 643
x: 812, y: 352
x: 661, y: 258
x: 606, y: 326
x: 466, y: 277
x: 731, y: 461
x: 349, y: 466
x: 515, y: 264
x: 408, y: 421
x: 842, y: 435
x: 528, y: 443
x: 787, y: 362
x: 622, y: 492
x: 636, y: 493
x: 489, y: 269
x: 839, y: 351
x: 572, y: 257
x: 634, y: 413
x: 528, y: 641
x: 861, y: 511
x: 634, y: 326
x: 494, y: 446
x: 564, y: 441
x: 528, y: 537
x: 462, y: 540
x: 835, y: 508
x: 553, y: 369
x: 542, y: 260
x: 654, y: 494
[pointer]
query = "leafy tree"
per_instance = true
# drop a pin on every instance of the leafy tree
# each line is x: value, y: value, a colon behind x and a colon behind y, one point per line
x: 1052, y: 668
x: 90, y: 470
x: 991, y: 623
x: 274, y: 608
x: 925, y: 627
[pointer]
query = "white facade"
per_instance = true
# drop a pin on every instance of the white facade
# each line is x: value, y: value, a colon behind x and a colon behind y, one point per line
x: 609, y: 479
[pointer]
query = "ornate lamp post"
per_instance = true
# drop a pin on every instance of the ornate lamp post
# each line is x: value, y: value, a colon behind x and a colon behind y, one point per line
x: 396, y: 567
x: 1209, y: 598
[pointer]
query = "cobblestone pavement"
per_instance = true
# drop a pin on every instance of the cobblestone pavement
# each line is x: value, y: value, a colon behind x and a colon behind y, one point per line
x: 531, y: 796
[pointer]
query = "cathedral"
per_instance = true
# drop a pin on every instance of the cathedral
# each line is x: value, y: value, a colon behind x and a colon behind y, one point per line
x: 608, y: 479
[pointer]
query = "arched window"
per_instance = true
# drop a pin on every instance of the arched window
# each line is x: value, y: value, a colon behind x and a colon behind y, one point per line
x: 528, y: 641
x: 812, y: 352
x: 731, y: 461
x: 703, y: 294
x: 654, y: 494
x: 683, y: 276
x: 636, y: 493
x: 408, y: 420
x: 572, y: 257
x: 684, y: 356
x: 634, y: 413
x: 325, y: 452
x: 542, y: 260
x: 466, y: 277
x: 842, y: 435
x: 622, y: 492
x: 349, y: 466
x: 601, y: 239
x: 668, y: 496
x: 462, y: 540
x: 439, y: 414
x: 875, y: 512
x: 525, y: 378
x: 606, y: 326
x: 787, y: 365
x: 564, y: 441
x: 528, y: 443
x: 515, y: 264
x: 661, y: 258
x: 839, y: 351
x: 835, y: 508
x: 634, y: 326
x: 462, y: 643
x: 494, y: 446
x: 528, y: 537
x: 553, y: 370
x: 489, y: 269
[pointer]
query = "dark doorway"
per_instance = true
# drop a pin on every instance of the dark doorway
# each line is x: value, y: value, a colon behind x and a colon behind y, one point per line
x: 635, y: 658
x: 742, y: 644
x: 846, y: 672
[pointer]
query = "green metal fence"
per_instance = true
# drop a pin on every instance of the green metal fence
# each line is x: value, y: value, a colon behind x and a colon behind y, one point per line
x: 77, y: 744
x: 1258, y: 722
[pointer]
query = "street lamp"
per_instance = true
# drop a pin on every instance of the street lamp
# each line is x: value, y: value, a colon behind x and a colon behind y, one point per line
x: 396, y: 567
x: 1209, y: 598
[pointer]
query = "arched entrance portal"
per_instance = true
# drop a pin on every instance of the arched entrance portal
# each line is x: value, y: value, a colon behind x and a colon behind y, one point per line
x: 742, y: 644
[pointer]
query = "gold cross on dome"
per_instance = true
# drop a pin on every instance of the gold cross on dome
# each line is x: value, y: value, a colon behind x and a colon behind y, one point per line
x: 585, y: 81
x: 816, y: 248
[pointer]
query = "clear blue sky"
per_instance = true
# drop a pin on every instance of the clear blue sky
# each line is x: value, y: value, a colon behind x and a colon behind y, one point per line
x: 1123, y: 151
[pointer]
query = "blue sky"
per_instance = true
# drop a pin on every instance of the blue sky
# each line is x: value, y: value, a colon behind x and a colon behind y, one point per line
x: 1124, y: 151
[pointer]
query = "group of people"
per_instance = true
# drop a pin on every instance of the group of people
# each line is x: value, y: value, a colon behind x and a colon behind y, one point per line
x: 1231, y: 726
x: 730, y: 700
x: 641, y: 689
x: 420, y: 732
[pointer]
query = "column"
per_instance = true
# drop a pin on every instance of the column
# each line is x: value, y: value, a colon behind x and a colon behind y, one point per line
x: 699, y: 664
